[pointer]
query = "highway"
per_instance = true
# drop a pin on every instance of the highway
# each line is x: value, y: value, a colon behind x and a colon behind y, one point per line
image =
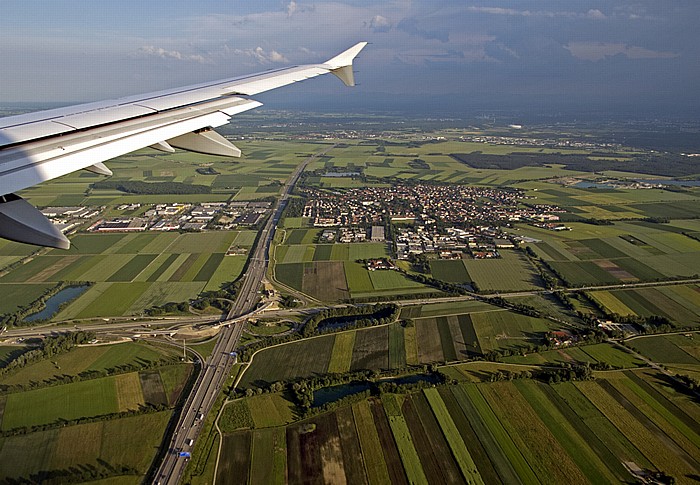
x: 216, y: 369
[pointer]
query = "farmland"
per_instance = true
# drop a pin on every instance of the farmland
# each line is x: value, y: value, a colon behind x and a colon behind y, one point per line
x: 92, y: 358
x: 520, y: 431
x: 66, y: 414
x: 161, y: 267
x: 93, y: 397
x: 431, y: 339
x: 616, y: 357
x: 677, y: 303
x: 621, y: 252
x: 331, y: 273
x: 129, y: 442
x: 676, y: 349
x: 508, y: 432
x: 509, y: 273
x: 156, y: 269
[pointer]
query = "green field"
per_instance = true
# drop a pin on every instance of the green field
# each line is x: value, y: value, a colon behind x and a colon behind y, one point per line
x: 452, y: 271
x: 69, y: 401
x: 338, y: 276
x: 676, y: 303
x: 123, y: 442
x: 131, y: 271
x: 299, y: 359
x: 501, y: 329
x: 604, y: 352
x: 91, y: 358
x: 511, y: 272
x: 669, y: 349
x: 18, y: 295
x: 511, y: 432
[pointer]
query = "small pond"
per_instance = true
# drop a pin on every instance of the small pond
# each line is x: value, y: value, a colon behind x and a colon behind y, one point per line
x: 55, y: 302
x: 333, y: 393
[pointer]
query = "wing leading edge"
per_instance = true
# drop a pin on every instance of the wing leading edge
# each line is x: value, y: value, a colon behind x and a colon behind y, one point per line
x: 37, y: 147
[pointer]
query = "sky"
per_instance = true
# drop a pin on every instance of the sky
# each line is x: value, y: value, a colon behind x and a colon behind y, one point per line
x: 632, y: 56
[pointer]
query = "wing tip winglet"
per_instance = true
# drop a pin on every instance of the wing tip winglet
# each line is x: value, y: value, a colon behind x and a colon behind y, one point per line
x: 345, y: 58
x: 341, y: 65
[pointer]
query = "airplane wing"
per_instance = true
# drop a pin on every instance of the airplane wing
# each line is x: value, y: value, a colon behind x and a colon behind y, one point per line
x: 40, y: 146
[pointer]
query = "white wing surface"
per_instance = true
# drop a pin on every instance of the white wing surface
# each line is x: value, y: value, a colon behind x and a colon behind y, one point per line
x: 40, y: 146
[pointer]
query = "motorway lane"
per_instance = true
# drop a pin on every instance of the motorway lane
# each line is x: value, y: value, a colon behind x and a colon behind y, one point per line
x: 216, y: 368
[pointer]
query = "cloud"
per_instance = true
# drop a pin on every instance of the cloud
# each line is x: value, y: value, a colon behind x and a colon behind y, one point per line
x: 592, y: 14
x: 595, y: 51
x: 421, y: 56
x: 500, y: 11
x: 262, y: 56
x: 294, y: 7
x: 379, y: 24
x: 152, y: 51
x: 291, y: 8
x: 595, y: 14
x: 410, y: 26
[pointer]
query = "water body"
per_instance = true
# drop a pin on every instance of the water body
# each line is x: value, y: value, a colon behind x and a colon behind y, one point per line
x: 592, y: 185
x: 53, y: 303
x: 337, y: 323
x: 333, y: 393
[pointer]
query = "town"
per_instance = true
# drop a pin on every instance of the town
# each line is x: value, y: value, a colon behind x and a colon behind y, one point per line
x: 447, y: 220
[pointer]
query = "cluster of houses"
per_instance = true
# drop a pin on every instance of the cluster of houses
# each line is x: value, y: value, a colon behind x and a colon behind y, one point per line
x: 540, y: 142
x: 481, y: 242
x: 420, y: 213
x: 421, y: 203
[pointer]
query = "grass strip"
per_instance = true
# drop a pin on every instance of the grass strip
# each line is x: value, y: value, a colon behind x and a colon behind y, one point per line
x: 369, y: 442
x: 663, y: 401
x: 589, y: 437
x: 446, y: 339
x: 411, y: 345
x: 484, y: 464
x: 341, y: 356
x: 539, y: 447
x: 166, y: 264
x: 409, y: 455
x: 397, y: 347
x: 492, y: 434
x: 578, y: 449
x: 637, y: 432
x: 453, y: 437
x: 664, y: 420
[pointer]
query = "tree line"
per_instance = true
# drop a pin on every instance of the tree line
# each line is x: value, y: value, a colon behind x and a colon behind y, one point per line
x: 50, y: 346
x: 151, y: 188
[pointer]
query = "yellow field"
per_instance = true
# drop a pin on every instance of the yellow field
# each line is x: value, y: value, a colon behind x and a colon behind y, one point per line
x: 129, y: 393
x: 609, y: 301
x: 341, y: 357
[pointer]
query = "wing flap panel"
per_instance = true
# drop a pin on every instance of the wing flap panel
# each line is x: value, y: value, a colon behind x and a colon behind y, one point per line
x: 207, y: 142
x: 32, y: 131
x: 104, y: 116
